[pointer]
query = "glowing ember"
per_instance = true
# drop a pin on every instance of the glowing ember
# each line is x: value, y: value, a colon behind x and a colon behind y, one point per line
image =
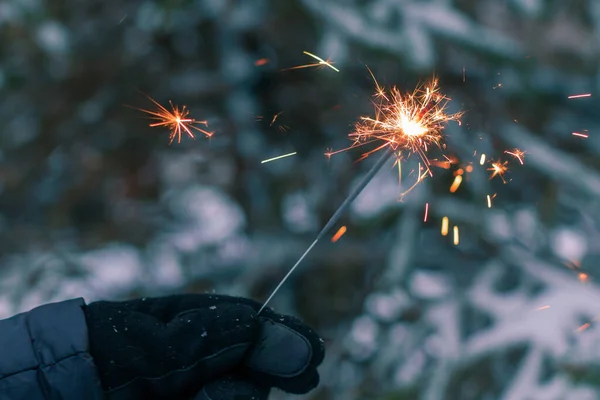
x: 457, y: 181
x: 338, y: 234
x: 176, y: 120
x: 482, y: 159
x: 426, y: 212
x: 444, y: 226
x: 456, y: 237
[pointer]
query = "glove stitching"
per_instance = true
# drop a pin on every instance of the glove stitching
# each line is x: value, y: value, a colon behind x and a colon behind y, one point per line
x: 178, y: 370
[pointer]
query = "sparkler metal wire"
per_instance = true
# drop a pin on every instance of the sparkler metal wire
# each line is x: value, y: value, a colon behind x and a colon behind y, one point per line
x: 385, y: 156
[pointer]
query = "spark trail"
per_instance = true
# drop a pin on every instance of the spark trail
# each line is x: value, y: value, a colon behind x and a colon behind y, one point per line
x: 278, y: 157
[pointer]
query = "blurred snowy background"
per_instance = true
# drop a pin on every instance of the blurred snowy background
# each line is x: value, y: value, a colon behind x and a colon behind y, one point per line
x: 94, y: 203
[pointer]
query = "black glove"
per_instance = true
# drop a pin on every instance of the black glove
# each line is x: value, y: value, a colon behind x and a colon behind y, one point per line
x: 201, y: 347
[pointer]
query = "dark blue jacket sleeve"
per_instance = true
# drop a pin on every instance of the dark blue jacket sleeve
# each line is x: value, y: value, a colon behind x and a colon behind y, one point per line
x: 44, y: 355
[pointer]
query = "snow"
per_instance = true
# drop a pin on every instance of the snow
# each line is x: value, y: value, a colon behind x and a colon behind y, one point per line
x: 381, y: 194
x: 363, y: 336
x: 569, y: 244
x: 531, y: 8
x: 149, y: 17
x: 429, y: 285
x: 117, y: 267
x: 386, y: 307
x: 297, y: 213
x: 208, y: 217
x: 53, y: 37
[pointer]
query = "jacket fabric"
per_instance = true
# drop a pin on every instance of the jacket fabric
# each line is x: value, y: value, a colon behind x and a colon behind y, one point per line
x: 44, y: 355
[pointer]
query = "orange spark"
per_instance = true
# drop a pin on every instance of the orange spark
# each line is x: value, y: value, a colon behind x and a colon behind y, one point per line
x: 542, y: 308
x: 321, y: 63
x: 338, y: 234
x: 583, y: 327
x: 275, y: 118
x: 583, y: 135
x: 444, y: 226
x: 261, y: 61
x: 518, y: 154
x: 498, y: 168
x: 426, y: 212
x: 456, y: 237
x: 176, y: 120
x: 405, y: 122
x: 282, y: 128
x: 575, y: 266
x: 440, y: 164
x: 578, y: 96
x: 456, y: 183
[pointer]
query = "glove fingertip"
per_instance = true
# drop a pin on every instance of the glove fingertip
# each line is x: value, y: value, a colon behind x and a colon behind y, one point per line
x: 286, y: 355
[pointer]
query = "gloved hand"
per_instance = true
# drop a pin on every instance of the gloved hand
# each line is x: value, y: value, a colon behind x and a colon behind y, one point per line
x: 201, y: 347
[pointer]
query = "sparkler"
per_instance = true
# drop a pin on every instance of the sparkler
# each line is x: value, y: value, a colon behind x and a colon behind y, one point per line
x: 336, y: 216
x: 404, y: 123
x: 176, y: 120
